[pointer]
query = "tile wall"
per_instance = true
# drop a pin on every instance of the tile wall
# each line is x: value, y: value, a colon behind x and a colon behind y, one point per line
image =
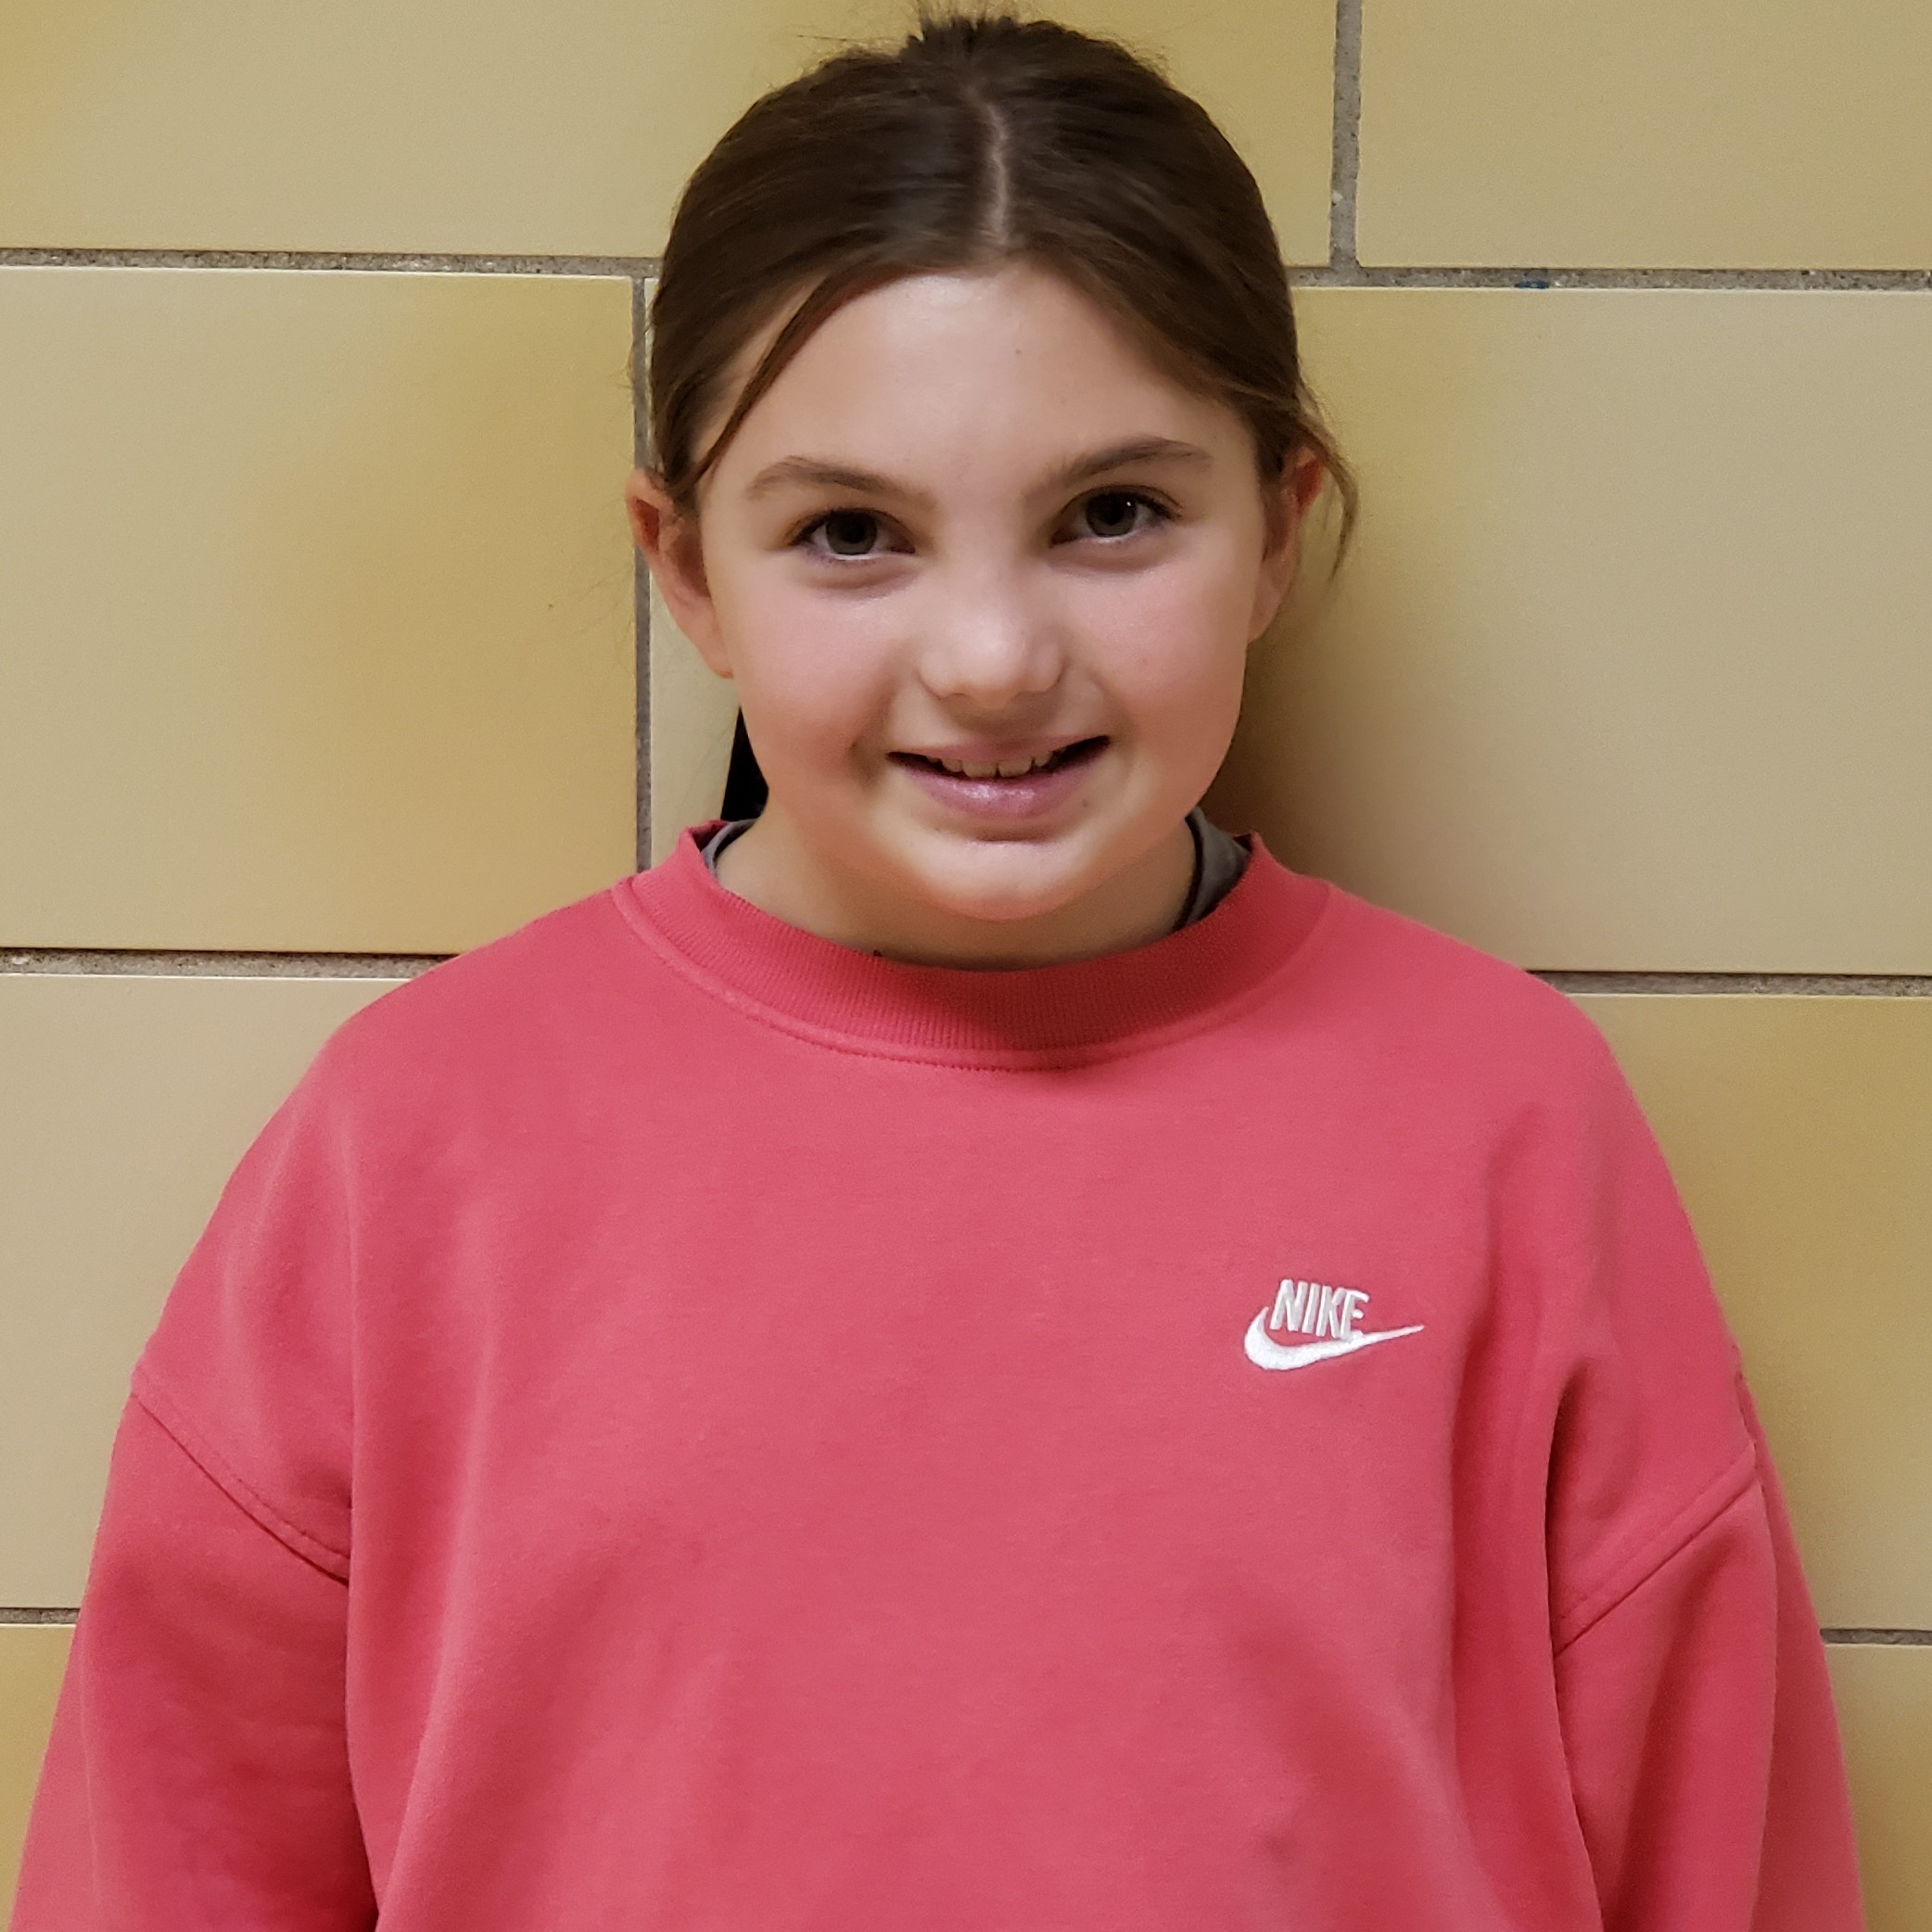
x: 325, y: 654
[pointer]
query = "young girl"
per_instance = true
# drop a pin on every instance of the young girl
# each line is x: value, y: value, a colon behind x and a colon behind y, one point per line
x: 971, y: 1353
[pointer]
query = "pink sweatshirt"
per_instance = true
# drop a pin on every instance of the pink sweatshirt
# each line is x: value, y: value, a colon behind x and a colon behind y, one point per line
x: 681, y: 1426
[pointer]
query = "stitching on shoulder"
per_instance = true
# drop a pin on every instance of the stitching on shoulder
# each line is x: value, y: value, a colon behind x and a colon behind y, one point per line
x: 1675, y: 1535
x: 153, y: 1396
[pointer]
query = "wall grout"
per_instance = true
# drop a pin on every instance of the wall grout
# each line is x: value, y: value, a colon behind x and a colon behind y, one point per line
x: 1903, y: 1639
x: 1868, y: 986
x: 336, y: 261
x: 131, y: 962
x: 1345, y: 163
x: 30, y: 1617
x: 641, y: 288
x: 108, y: 961
x: 1343, y: 271
x: 1793, y: 281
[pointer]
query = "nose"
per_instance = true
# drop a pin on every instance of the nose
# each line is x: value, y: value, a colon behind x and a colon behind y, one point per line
x: 988, y: 641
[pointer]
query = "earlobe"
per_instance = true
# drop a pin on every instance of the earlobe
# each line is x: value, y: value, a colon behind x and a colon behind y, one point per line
x: 670, y: 544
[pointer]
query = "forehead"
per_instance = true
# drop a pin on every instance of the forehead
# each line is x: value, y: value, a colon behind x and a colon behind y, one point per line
x: 1016, y: 355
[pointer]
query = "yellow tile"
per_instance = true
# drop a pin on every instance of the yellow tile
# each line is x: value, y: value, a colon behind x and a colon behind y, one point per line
x: 1800, y: 1129
x: 319, y: 606
x: 1630, y: 667
x: 692, y: 717
x: 1725, y: 134
x: 1884, y: 1695
x: 31, y: 1658
x: 563, y: 129
x: 128, y: 1100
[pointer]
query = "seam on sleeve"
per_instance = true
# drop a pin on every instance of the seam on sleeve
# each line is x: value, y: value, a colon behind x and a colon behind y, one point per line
x: 153, y: 1396
x: 1674, y: 1536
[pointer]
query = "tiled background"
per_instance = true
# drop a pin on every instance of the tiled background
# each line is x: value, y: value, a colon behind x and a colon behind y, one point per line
x: 320, y: 631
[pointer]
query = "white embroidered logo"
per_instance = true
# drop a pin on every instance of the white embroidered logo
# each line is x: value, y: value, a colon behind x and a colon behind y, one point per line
x: 1313, y: 1308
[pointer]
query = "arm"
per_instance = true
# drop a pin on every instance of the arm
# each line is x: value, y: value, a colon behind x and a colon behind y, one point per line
x: 197, y: 1774
x: 1703, y: 1747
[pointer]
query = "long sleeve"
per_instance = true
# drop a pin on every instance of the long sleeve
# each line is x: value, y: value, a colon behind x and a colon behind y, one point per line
x: 1704, y: 1750
x: 198, y: 1774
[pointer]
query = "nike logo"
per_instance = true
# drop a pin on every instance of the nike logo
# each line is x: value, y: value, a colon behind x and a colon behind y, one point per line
x: 1266, y: 1352
x: 1327, y: 1314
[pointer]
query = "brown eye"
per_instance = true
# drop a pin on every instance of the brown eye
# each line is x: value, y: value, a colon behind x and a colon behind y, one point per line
x: 1112, y: 513
x: 848, y: 533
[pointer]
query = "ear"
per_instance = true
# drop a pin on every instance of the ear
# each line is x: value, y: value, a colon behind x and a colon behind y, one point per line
x: 1288, y: 503
x: 671, y: 546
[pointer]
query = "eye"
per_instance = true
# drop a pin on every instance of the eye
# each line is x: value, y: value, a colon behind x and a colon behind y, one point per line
x: 1110, y: 514
x: 848, y: 533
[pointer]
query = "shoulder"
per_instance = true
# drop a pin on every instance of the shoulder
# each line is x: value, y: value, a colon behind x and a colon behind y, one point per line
x: 1440, y: 1010
x: 539, y: 998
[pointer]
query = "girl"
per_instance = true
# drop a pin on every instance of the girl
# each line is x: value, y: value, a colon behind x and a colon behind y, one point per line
x: 969, y: 1352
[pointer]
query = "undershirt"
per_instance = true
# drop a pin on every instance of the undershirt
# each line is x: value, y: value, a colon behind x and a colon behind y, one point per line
x: 1218, y: 859
x: 682, y: 1425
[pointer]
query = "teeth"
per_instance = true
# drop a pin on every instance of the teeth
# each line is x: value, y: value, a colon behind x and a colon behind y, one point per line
x: 1010, y: 768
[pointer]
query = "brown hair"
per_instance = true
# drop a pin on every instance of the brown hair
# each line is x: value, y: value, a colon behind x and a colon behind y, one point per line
x: 980, y: 140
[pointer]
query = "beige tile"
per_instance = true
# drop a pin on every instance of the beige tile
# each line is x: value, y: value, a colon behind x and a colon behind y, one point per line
x: 128, y: 1100
x: 1884, y: 1695
x: 1800, y: 1129
x: 1630, y: 668
x: 1265, y: 69
x: 557, y: 130
x: 1729, y: 134
x: 31, y: 1658
x: 692, y: 717
x: 319, y: 606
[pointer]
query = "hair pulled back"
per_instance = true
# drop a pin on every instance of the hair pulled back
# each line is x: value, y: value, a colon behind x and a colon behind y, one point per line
x: 981, y: 140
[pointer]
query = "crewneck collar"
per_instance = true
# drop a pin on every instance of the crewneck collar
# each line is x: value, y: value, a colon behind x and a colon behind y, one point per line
x: 841, y: 997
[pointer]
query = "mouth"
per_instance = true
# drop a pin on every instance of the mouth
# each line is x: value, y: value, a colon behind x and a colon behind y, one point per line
x: 1004, y: 770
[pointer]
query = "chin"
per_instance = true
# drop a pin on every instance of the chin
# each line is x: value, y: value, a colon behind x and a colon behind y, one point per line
x: 994, y: 892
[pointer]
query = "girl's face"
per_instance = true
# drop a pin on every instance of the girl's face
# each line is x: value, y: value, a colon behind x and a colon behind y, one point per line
x: 984, y: 579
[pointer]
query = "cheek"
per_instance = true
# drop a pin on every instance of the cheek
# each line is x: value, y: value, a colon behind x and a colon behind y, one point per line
x: 1173, y: 647
x: 807, y: 669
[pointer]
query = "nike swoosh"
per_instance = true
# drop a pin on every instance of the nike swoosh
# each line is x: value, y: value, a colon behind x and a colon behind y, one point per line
x: 1266, y: 1352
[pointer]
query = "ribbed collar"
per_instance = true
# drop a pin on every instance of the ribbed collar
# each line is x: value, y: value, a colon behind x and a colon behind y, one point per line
x: 1086, y: 1008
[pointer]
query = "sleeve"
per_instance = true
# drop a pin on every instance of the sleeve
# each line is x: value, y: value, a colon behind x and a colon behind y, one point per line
x: 1704, y: 1750
x: 1696, y: 1707
x: 197, y: 1770
x: 198, y: 1774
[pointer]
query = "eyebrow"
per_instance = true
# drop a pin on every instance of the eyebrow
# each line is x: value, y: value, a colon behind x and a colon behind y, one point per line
x: 840, y: 476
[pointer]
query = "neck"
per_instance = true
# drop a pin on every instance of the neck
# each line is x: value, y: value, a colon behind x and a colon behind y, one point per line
x: 770, y: 865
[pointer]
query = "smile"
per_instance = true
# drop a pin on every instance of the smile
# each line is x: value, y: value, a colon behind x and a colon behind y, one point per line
x: 1075, y: 753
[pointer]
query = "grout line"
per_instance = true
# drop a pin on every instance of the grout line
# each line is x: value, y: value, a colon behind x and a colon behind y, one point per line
x: 1894, y: 1639
x: 1345, y: 165
x: 338, y: 260
x: 108, y: 961
x: 1348, y: 273
x: 1344, y: 270
x: 640, y: 573
x: 1869, y: 986
x: 133, y: 963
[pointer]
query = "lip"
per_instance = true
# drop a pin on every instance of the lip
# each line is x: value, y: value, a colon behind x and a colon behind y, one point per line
x: 1003, y: 799
x: 987, y: 751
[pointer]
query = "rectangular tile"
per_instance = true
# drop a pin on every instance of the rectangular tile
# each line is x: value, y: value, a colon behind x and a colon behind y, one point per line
x: 1629, y: 669
x: 694, y: 715
x: 1799, y: 1130
x: 1884, y: 1695
x: 1730, y: 134
x: 31, y: 1658
x: 128, y: 1100
x: 320, y: 606
x: 561, y: 130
